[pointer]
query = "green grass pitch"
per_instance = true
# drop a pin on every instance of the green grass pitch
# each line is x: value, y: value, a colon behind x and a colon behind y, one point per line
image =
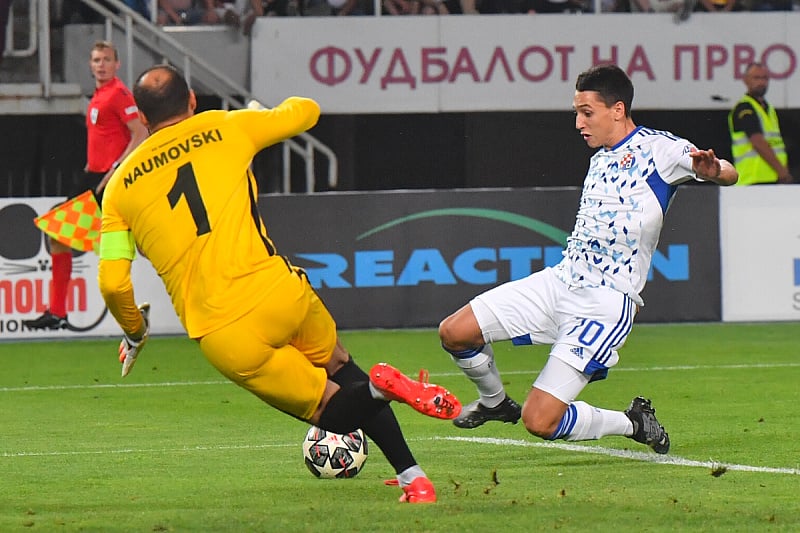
x: 174, y: 447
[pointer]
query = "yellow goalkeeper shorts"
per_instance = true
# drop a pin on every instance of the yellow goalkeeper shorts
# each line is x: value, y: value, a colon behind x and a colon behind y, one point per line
x: 278, y: 349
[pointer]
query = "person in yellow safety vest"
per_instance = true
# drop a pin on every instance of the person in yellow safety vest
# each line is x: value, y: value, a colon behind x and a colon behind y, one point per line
x: 758, y: 150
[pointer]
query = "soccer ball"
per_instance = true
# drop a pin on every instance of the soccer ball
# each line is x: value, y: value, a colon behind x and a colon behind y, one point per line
x: 330, y: 455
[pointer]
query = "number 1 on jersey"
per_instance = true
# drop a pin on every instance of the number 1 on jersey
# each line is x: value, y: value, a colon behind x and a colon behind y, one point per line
x: 186, y: 185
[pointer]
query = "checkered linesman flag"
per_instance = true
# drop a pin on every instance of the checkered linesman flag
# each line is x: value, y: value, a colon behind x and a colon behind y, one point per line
x: 75, y: 223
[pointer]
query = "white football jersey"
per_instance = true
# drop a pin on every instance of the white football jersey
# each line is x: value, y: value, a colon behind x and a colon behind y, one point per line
x: 625, y: 196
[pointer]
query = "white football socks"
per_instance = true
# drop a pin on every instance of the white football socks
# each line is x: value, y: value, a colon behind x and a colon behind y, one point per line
x: 410, y: 474
x: 481, y: 370
x: 591, y: 423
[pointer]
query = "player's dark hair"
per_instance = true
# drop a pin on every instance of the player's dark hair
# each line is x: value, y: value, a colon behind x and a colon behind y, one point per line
x: 610, y: 82
x: 165, y: 99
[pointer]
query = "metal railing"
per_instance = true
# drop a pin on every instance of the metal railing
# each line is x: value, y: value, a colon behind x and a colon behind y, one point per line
x: 141, y: 33
x: 32, y: 31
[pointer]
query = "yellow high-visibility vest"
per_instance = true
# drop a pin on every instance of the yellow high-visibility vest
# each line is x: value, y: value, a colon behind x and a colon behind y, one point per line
x: 751, y: 167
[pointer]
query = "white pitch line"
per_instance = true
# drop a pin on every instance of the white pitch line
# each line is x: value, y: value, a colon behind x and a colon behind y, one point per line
x: 147, y: 451
x: 597, y: 450
x: 626, y: 454
x: 112, y: 386
x: 34, y: 388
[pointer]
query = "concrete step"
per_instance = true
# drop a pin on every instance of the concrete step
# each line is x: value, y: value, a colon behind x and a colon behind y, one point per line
x: 30, y: 99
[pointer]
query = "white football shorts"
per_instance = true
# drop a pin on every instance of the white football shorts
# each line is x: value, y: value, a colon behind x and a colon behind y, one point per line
x: 585, y: 325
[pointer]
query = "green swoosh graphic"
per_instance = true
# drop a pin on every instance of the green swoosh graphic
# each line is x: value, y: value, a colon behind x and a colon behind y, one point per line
x: 551, y: 232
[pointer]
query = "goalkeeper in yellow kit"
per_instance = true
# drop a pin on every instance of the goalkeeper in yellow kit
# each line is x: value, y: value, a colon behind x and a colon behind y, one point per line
x: 186, y: 198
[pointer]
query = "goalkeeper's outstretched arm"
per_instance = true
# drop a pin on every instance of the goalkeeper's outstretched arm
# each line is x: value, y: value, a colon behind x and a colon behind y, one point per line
x: 114, y: 278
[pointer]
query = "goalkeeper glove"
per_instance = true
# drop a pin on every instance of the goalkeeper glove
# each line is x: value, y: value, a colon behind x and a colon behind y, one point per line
x: 128, y: 348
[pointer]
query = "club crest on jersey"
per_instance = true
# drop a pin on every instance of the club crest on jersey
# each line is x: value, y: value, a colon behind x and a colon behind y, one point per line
x: 93, y: 112
x: 627, y: 161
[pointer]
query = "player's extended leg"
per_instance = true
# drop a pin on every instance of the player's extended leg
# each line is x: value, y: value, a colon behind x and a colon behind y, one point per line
x: 462, y: 337
x: 316, y: 337
x: 55, y: 317
x: 284, y: 378
x: 385, y: 432
x: 551, y: 412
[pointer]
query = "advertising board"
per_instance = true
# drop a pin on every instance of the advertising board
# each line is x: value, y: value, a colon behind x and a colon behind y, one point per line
x: 385, y: 259
x: 516, y: 62
x: 25, y: 281
x: 760, y: 234
x: 408, y: 259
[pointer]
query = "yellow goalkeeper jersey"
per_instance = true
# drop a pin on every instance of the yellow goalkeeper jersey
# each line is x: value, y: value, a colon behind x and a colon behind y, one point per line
x: 188, y: 197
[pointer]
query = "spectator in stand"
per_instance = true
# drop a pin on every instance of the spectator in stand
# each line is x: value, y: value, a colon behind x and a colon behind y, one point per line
x: 113, y: 131
x: 243, y: 13
x: 469, y: 7
x: 432, y: 7
x: 415, y: 7
x: 400, y: 7
x: 681, y: 9
x: 498, y: 7
x: 140, y: 6
x: 556, y: 6
x: 759, y: 152
x: 716, y: 6
x: 656, y: 6
x: 770, y: 5
x: 343, y: 8
x: 472, y: 7
x: 186, y: 13
x: 76, y: 12
x: 613, y: 6
x: 276, y: 8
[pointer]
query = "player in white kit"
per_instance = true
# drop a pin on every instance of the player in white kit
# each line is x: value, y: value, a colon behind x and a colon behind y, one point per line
x: 585, y: 306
